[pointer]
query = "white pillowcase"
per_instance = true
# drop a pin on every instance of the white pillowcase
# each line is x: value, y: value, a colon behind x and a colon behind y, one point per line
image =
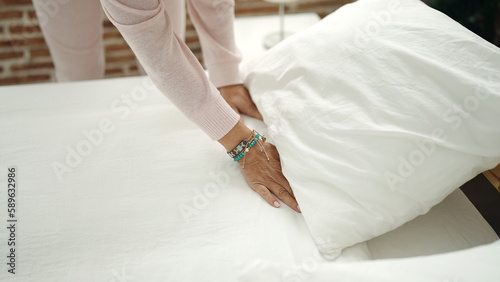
x: 379, y: 112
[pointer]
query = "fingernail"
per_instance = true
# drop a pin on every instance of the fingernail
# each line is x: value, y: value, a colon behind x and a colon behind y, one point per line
x: 276, y: 204
x: 298, y: 208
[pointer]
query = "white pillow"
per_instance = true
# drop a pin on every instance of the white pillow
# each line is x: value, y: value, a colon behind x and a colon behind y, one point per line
x: 379, y: 112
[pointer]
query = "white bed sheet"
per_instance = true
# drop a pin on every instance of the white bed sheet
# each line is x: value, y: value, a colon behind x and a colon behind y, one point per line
x: 471, y: 265
x: 454, y: 224
x: 151, y: 198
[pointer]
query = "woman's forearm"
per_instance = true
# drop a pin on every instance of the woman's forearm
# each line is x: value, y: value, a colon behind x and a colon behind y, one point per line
x: 239, y: 132
x: 173, y: 68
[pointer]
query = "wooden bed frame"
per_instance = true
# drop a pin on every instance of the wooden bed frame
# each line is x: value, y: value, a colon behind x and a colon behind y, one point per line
x: 493, y: 176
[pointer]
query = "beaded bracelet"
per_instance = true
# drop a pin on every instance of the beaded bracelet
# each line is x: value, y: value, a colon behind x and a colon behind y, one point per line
x: 243, y: 148
x: 240, y: 147
x: 237, y: 158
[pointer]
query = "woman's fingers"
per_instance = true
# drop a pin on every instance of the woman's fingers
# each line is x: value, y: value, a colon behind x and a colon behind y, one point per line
x: 250, y: 109
x: 260, y: 165
x: 265, y: 176
x: 281, y: 193
x: 285, y: 196
x: 239, y: 99
x: 284, y: 183
x: 267, y: 195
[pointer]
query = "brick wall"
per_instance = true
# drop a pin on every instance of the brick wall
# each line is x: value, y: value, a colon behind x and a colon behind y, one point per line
x: 24, y: 57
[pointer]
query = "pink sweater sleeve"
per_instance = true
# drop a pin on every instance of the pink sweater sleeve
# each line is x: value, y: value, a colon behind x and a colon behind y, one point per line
x: 173, y: 68
x: 213, y: 20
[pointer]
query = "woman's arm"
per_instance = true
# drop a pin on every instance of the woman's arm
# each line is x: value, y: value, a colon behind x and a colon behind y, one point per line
x: 176, y: 72
x: 213, y: 20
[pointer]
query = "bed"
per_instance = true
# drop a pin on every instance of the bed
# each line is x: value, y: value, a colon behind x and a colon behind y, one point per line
x: 139, y: 207
x: 113, y: 183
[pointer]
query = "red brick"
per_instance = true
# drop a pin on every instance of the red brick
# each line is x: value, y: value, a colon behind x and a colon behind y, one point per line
x: 10, y: 55
x: 47, y: 65
x: 125, y: 58
x: 321, y: 4
x: 24, y: 29
x: 107, y: 23
x: 23, y: 42
x: 11, y: 15
x: 39, y: 53
x: 116, y: 47
x: 196, y: 50
x: 323, y: 14
x: 32, y: 15
x: 112, y: 34
x: 15, y: 2
x: 5, y: 43
x: 256, y: 10
x: 113, y: 71
x: 191, y: 39
x: 34, y: 41
x: 25, y: 79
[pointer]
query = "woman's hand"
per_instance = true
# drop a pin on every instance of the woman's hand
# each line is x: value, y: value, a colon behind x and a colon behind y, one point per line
x: 262, y: 175
x: 265, y: 176
x: 239, y: 99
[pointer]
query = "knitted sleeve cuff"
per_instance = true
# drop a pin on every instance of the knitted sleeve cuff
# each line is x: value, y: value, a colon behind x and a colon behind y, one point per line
x: 216, y: 118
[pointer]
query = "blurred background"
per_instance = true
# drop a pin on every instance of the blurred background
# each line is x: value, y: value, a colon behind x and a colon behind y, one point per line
x: 480, y: 16
x: 24, y: 57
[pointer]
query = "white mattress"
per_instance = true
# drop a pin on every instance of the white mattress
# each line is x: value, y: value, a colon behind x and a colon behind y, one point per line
x: 154, y: 199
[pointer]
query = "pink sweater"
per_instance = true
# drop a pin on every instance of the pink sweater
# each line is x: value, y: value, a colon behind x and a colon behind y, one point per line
x: 146, y: 27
